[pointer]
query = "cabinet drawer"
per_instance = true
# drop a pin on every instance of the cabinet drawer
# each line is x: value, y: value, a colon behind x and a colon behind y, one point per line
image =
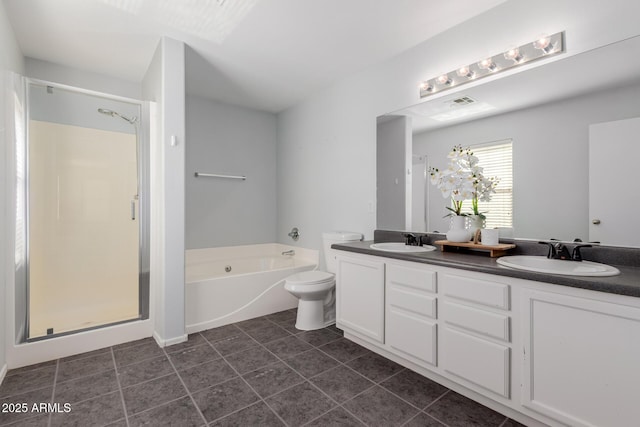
x: 418, y: 278
x: 483, y: 322
x: 478, y: 361
x: 491, y: 294
x: 411, y: 299
x: 412, y: 336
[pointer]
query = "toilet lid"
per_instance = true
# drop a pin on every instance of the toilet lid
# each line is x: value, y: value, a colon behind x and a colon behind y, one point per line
x: 310, y: 278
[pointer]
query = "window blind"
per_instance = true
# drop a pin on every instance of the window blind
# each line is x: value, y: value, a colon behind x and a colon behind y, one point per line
x: 496, y: 159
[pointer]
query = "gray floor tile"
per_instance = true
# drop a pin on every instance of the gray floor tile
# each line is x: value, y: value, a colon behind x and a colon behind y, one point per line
x: 375, y: 367
x: 257, y: 414
x: 98, y: 411
x: 318, y: 337
x: 181, y: 412
x: 251, y: 359
x: 27, y: 380
x: 220, y: 400
x: 31, y: 397
x: 311, y: 363
x: 272, y: 379
x: 414, y: 388
x: 344, y: 350
x: 192, y: 341
x: 424, y: 420
x: 134, y: 343
x: 268, y: 333
x: 129, y: 355
x: 152, y: 393
x: 193, y: 356
x: 146, y: 370
x: 336, y: 418
x: 217, y: 334
x: 41, y: 420
x: 31, y: 367
x: 234, y: 343
x: 341, y: 383
x: 82, y: 367
x: 378, y: 407
x: 283, y: 316
x: 86, y: 387
x: 456, y: 410
x: 202, y: 376
x: 288, y: 346
x: 86, y: 354
x: 257, y: 323
x: 299, y: 404
x: 512, y: 423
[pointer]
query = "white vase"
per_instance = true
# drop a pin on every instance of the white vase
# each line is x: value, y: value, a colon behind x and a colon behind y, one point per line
x: 476, y: 222
x: 458, y: 231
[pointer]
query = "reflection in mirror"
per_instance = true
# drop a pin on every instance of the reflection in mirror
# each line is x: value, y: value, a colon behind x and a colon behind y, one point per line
x: 552, y: 114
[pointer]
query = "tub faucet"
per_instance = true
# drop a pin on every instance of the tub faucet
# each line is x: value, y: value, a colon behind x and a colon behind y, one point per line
x: 290, y: 252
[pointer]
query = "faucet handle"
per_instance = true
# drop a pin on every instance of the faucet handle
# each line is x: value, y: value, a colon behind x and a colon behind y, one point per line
x: 410, y: 239
x: 552, y: 249
x: 575, y: 254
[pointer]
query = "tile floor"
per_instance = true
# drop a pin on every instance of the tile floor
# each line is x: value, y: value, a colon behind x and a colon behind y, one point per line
x: 260, y: 372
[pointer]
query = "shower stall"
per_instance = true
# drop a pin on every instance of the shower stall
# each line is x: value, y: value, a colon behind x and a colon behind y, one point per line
x: 82, y: 218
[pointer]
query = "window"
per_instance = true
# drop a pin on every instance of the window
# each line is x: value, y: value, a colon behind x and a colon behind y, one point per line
x: 497, y: 160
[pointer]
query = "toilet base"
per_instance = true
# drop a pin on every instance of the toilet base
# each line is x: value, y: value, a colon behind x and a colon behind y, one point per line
x: 311, y: 315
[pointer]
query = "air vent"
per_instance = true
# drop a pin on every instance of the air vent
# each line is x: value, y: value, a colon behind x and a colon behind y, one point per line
x: 465, y: 100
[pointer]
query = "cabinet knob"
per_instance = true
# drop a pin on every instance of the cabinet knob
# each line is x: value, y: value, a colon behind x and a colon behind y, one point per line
x: 595, y: 222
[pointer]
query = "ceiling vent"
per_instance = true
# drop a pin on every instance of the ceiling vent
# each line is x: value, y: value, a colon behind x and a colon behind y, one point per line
x: 462, y: 101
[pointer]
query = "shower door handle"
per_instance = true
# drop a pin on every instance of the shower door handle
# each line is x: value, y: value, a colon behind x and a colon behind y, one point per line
x: 133, y: 209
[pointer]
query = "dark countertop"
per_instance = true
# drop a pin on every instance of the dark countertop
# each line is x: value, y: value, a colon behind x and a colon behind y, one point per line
x: 626, y: 283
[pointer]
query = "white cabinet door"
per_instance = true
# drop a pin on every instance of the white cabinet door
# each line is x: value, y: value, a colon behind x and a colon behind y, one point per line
x: 360, y: 297
x: 411, y: 313
x: 580, y: 359
x: 614, y: 150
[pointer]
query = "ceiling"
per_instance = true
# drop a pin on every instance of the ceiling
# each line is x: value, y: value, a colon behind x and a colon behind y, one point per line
x: 279, y: 53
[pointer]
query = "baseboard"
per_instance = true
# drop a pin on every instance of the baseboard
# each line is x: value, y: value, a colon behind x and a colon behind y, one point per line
x: 166, y: 343
x: 3, y: 373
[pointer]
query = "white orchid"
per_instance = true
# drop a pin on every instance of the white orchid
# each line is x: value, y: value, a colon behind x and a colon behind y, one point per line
x: 463, y: 180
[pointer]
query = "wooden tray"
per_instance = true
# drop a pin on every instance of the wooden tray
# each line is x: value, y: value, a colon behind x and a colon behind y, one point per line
x: 494, y: 250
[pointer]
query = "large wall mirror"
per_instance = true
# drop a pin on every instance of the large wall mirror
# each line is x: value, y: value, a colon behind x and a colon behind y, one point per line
x: 554, y: 115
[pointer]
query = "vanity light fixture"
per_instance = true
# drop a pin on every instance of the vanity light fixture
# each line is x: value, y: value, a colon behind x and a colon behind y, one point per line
x: 543, y: 47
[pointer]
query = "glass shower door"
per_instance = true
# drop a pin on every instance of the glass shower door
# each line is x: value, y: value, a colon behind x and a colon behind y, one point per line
x: 83, y: 225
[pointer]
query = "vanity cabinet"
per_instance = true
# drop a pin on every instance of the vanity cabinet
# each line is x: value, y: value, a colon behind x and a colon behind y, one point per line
x: 540, y: 353
x: 411, y: 312
x: 360, y: 296
x: 581, y: 358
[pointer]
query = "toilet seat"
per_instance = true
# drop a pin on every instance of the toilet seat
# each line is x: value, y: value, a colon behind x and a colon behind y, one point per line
x: 306, y: 278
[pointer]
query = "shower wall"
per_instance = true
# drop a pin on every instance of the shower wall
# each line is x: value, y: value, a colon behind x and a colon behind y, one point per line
x: 225, y: 139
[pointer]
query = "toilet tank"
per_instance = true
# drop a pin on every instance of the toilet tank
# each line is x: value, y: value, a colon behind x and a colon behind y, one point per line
x: 331, y: 237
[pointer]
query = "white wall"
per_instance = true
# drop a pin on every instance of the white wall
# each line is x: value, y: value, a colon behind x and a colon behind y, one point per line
x: 11, y: 60
x: 164, y: 84
x: 550, y: 159
x: 326, y: 144
x: 224, y: 139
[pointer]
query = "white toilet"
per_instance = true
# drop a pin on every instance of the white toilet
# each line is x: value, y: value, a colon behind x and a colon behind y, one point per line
x: 315, y: 290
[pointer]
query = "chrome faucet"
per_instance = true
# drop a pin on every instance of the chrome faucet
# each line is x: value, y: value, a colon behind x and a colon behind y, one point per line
x: 290, y: 252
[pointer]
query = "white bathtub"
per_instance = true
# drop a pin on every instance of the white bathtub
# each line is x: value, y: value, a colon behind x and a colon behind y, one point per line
x: 253, y: 287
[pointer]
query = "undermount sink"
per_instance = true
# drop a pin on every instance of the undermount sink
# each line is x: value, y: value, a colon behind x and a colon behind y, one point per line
x: 401, y: 247
x: 542, y: 264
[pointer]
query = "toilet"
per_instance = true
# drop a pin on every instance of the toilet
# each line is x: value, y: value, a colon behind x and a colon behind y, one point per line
x: 315, y: 289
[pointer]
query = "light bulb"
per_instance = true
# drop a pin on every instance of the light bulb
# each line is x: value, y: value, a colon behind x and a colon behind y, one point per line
x: 444, y: 79
x: 488, y: 64
x: 544, y: 44
x: 426, y: 87
x: 513, y: 54
x: 466, y: 72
